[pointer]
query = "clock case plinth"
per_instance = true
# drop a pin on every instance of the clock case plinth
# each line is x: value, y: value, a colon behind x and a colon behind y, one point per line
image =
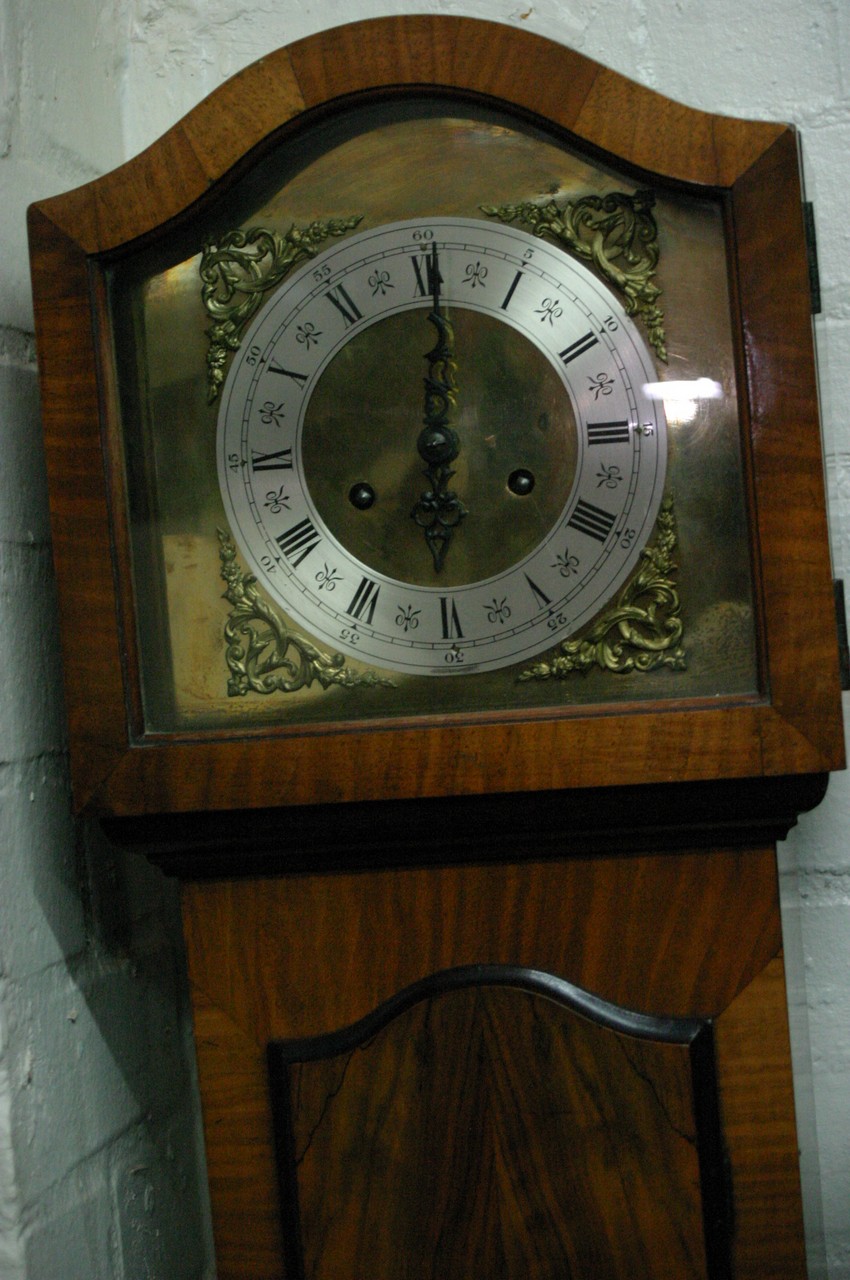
x: 468, y: 829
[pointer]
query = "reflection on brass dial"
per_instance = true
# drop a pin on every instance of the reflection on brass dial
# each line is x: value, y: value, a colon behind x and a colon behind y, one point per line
x: 512, y: 415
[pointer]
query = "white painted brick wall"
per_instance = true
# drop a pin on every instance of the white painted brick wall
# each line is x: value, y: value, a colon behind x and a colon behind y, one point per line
x: 97, y: 1162
x: 100, y: 1170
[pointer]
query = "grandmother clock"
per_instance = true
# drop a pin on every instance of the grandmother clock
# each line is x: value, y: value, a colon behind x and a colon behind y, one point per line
x: 439, y: 528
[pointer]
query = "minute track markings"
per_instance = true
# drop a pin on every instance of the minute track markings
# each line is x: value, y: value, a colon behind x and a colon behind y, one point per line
x: 355, y: 288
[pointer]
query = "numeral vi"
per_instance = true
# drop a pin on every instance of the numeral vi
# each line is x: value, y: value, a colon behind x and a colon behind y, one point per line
x: 451, y: 622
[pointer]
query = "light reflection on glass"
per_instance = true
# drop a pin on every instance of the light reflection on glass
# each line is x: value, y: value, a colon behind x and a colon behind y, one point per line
x: 681, y: 398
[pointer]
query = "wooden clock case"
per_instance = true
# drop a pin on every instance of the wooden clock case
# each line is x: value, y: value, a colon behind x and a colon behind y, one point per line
x: 331, y: 875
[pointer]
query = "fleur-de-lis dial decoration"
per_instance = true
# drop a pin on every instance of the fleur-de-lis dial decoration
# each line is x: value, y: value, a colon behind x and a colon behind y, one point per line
x: 537, y: 501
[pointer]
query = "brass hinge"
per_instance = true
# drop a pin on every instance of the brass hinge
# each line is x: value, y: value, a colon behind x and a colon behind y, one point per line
x: 812, y: 255
x: 841, y: 626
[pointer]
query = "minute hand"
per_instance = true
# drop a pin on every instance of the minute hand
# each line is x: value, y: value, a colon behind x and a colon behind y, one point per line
x: 439, y: 510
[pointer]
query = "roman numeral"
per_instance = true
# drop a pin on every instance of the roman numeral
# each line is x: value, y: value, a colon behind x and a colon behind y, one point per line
x: 363, y: 602
x: 300, y: 378
x: 451, y: 621
x: 608, y: 433
x: 594, y: 521
x: 279, y: 461
x: 297, y: 543
x: 423, y: 270
x: 540, y: 596
x: 344, y: 303
x: 512, y: 290
x: 578, y: 347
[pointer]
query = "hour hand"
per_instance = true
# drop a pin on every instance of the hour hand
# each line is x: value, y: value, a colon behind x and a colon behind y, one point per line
x: 439, y: 510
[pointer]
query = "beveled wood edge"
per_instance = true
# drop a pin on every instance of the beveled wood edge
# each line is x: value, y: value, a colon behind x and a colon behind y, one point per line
x: 602, y: 107
x: 792, y: 536
x: 80, y: 518
x: 761, y: 1147
x: 220, y: 1038
x: 529, y: 981
x: 458, y: 758
x: 800, y: 733
x: 584, y: 824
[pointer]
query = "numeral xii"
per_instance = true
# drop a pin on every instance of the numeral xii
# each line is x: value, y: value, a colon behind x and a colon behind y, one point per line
x: 423, y: 271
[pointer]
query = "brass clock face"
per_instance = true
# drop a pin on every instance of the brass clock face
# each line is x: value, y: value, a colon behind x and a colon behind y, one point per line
x: 285, y: 517
x: 328, y: 476
x: 419, y: 433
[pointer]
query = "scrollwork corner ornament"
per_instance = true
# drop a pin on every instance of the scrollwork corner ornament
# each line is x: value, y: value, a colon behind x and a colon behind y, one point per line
x: 263, y: 655
x: 617, y: 233
x: 239, y: 269
x: 641, y: 631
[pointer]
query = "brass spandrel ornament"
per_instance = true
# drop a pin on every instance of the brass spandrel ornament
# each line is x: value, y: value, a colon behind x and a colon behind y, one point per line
x: 553, y: 391
x: 641, y: 631
x: 240, y: 269
x: 307, y: 346
x: 263, y: 654
x: 617, y: 233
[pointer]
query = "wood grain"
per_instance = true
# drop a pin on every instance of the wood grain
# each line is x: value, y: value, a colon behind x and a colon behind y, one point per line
x: 492, y: 1132
x: 304, y: 955
x: 794, y: 728
x: 239, y: 1167
x: 779, y: 354
x: 605, y: 109
x: 575, y: 919
x: 456, y: 757
x: 90, y: 638
x: 754, y: 1063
